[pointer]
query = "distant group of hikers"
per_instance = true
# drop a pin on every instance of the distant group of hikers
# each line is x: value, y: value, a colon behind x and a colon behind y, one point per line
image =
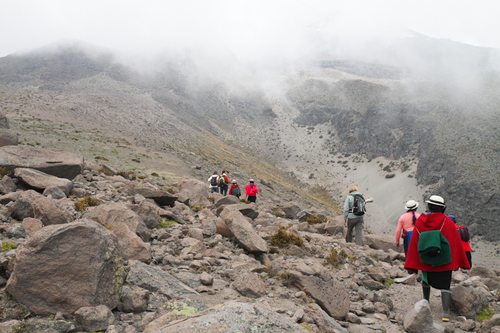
x: 434, y: 243
x: 220, y: 184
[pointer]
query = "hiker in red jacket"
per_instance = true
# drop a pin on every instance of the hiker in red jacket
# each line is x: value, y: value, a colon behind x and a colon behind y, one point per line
x: 235, y: 189
x: 437, y: 276
x: 251, y: 191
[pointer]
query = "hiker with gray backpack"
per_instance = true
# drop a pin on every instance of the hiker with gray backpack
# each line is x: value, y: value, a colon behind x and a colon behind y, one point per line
x: 354, y: 209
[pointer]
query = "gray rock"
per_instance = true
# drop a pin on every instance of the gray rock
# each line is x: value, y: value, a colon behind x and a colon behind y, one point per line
x: 327, y: 291
x: 40, y: 180
x: 487, y: 325
x: 64, y: 267
x: 148, y: 212
x: 59, y: 164
x: 243, y: 231
x: 227, y: 200
x: 379, y: 242
x: 154, y: 279
x: 135, y: 299
x: 195, y: 189
x: 8, y: 137
x: 92, y: 319
x: 162, y: 198
x: 127, y: 226
x: 468, y: 301
x: 322, y: 320
x: 419, y: 318
x: 31, y: 226
x: 250, y: 284
x: 54, y: 192
x: 7, y: 185
x: 235, y: 317
x: 33, y: 204
x: 291, y: 209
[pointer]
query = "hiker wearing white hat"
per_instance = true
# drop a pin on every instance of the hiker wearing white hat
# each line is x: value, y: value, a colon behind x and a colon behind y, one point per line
x: 406, y: 223
x: 436, y: 249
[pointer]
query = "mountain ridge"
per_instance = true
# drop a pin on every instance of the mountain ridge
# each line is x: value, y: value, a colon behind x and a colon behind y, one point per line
x: 355, y: 119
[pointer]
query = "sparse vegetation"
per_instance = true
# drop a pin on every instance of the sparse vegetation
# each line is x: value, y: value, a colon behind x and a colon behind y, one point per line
x: 165, y: 224
x: 3, y: 172
x: 282, y: 238
x: 197, y: 208
x: 485, y: 314
x: 83, y: 203
x: 315, y: 220
x: 336, y: 258
x: 390, y: 175
x: 7, y: 246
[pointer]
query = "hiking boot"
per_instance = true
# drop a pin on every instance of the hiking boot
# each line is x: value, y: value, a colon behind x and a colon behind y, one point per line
x: 446, y: 300
x: 426, y: 290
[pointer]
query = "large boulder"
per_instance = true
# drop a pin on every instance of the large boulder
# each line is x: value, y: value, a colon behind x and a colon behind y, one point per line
x: 161, y: 197
x: 250, y: 284
x: 380, y: 242
x: 328, y: 292
x: 235, y: 317
x: 8, y: 137
x: 127, y: 226
x: 227, y: 200
x: 419, y: 318
x: 94, y: 318
x: 243, y: 231
x: 41, y: 180
x: 148, y: 212
x: 291, y: 209
x: 117, y: 216
x: 61, y: 164
x: 32, y: 204
x: 468, y: 301
x: 195, y: 189
x: 7, y: 185
x: 65, y: 267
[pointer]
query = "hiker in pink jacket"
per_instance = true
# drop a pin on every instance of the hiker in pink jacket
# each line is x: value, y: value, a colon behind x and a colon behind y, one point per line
x: 251, y: 191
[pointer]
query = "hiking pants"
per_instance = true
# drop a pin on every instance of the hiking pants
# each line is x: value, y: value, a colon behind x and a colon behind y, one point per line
x: 215, y: 189
x: 357, y: 223
x: 223, y: 190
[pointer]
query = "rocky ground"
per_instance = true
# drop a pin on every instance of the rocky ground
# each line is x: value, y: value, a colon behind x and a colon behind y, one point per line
x: 107, y: 252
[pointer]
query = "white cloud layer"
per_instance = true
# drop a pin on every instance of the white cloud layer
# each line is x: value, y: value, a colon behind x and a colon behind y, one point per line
x: 251, y: 30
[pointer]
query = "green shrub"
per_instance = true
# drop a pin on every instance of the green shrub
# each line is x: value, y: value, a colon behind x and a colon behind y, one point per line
x: 165, y: 224
x: 7, y: 246
x: 83, y: 203
x: 283, y: 238
x: 486, y: 313
x: 315, y: 220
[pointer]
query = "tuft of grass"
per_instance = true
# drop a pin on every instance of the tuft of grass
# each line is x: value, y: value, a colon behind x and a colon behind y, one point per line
x: 83, y: 203
x: 390, y: 175
x: 165, y: 224
x: 388, y: 283
x: 197, y: 208
x: 7, y: 246
x: 283, y: 238
x: 171, y: 190
x: 485, y: 314
x: 105, y: 171
x: 101, y: 158
x: 3, y: 172
x: 154, y: 174
x: 315, y: 220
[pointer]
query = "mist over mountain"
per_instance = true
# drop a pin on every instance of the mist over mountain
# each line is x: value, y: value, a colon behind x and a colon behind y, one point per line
x: 429, y: 107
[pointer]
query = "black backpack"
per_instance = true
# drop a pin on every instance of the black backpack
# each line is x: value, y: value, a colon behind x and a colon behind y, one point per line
x: 213, y: 181
x: 358, y: 206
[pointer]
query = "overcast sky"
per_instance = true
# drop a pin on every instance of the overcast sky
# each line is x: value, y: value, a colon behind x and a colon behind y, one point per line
x: 250, y: 29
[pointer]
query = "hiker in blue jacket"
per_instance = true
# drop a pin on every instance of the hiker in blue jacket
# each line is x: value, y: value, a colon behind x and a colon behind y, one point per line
x: 353, y: 221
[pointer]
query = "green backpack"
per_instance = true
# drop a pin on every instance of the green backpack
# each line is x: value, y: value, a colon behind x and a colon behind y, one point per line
x: 222, y: 181
x: 236, y: 191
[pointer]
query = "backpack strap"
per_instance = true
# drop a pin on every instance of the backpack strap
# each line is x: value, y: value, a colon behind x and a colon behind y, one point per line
x: 443, y: 224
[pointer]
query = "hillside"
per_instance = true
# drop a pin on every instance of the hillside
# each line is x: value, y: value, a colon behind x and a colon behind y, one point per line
x: 322, y: 125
